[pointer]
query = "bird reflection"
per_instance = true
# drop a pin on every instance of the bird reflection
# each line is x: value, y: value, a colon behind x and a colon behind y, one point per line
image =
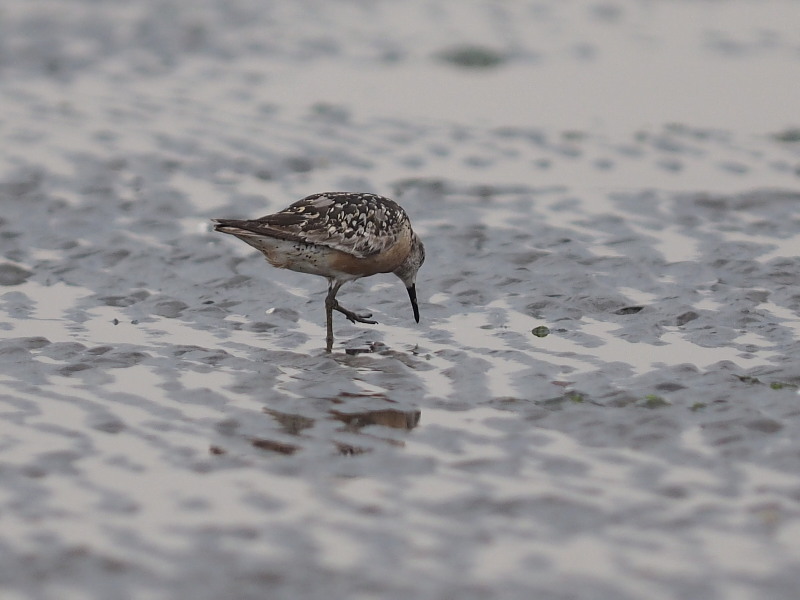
x: 354, y: 422
x: 397, y: 419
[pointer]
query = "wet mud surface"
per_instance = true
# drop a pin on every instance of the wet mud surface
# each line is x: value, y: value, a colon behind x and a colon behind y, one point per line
x: 600, y: 400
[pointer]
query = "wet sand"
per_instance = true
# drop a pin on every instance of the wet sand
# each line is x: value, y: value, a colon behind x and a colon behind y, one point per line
x: 600, y: 401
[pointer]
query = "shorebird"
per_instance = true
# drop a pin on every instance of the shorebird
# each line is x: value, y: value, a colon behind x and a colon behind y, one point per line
x: 341, y: 236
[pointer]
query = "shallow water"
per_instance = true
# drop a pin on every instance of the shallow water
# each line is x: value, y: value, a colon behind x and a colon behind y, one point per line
x: 171, y: 425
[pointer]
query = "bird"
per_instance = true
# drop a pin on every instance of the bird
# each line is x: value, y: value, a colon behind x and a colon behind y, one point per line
x: 341, y: 236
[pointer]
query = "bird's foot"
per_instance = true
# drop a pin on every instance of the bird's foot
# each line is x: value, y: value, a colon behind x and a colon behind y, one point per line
x: 353, y: 317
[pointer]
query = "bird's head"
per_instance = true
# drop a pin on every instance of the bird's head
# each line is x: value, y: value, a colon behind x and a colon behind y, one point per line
x: 407, y: 271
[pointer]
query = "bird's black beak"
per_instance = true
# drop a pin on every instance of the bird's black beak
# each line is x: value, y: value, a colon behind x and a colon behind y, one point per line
x: 412, y: 293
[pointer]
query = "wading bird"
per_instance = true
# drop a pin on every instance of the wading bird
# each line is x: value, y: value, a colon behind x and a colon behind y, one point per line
x: 341, y: 236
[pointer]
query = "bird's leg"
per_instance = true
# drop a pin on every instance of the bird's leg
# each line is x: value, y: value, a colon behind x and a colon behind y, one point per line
x: 353, y: 317
x: 330, y: 302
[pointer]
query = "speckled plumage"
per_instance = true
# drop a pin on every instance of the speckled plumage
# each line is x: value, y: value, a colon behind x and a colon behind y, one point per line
x: 359, y: 224
x: 338, y: 235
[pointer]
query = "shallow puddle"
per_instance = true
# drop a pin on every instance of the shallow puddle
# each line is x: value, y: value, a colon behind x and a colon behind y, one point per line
x: 599, y: 400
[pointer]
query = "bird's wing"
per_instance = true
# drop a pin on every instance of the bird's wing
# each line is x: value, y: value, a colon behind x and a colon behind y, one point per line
x: 359, y: 224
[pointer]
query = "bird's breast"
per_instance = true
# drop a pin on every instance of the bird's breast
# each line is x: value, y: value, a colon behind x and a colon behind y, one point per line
x: 383, y: 262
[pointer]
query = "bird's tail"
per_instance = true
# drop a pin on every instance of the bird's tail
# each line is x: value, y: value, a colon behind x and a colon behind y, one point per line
x: 232, y: 226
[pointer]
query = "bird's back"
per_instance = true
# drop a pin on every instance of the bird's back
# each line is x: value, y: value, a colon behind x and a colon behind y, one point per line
x: 356, y: 223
